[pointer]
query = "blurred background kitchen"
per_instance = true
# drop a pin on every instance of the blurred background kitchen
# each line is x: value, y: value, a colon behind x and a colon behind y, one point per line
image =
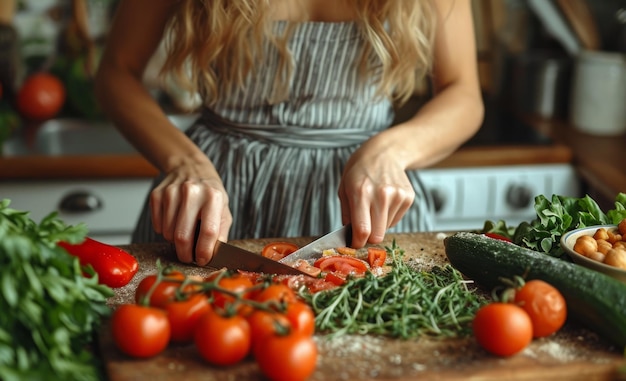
x: 553, y: 74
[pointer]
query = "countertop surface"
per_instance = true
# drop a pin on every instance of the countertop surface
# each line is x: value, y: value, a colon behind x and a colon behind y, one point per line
x: 573, y: 353
x: 599, y: 160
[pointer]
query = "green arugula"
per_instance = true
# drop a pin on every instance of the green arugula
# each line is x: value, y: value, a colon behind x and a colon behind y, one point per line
x: 556, y: 217
x: 50, y: 310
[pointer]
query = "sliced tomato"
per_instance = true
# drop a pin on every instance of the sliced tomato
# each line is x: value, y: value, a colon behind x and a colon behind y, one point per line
x: 335, y: 278
x: 376, y: 256
x: 342, y: 264
x: 296, y: 282
x: 306, y: 267
x: 278, y: 250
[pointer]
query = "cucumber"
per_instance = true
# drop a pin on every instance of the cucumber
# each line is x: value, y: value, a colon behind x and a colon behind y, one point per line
x: 595, y: 300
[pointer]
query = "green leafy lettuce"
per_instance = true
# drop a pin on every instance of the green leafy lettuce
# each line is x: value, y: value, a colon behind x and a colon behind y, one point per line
x: 556, y: 217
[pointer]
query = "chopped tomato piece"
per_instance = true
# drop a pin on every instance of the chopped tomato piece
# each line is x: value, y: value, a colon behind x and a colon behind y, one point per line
x: 335, y: 278
x: 376, y: 256
x: 342, y: 264
x: 304, y: 266
x: 278, y: 250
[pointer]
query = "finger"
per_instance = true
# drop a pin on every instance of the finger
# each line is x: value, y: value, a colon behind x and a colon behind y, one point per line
x: 184, y: 230
x: 172, y: 204
x: 406, y: 200
x: 360, y: 218
x: 380, y: 209
x: 156, y: 211
x: 344, y: 204
x: 211, y: 228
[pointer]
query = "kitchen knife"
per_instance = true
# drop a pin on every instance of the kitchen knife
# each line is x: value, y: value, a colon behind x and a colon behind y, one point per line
x: 341, y: 237
x: 233, y: 257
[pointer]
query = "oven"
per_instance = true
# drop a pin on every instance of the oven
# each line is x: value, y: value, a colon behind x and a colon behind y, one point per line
x: 465, y: 198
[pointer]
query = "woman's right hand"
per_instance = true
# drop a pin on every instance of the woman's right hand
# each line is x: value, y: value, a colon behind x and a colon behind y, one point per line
x: 191, y: 193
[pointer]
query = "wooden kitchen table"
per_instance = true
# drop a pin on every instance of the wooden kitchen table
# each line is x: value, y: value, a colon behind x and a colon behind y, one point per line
x: 573, y: 353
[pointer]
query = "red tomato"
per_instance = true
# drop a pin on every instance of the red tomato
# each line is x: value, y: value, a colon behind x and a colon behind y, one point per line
x: 222, y: 340
x: 276, y: 292
x: 114, y: 266
x: 236, y: 283
x: 503, y: 329
x: 140, y: 331
x: 376, y: 256
x: 291, y: 357
x: 342, y: 264
x: 335, y: 278
x: 184, y: 315
x: 278, y: 250
x: 41, y: 97
x: 266, y: 323
x: 163, y: 293
x: 544, y: 304
x: 301, y: 317
x: 498, y: 236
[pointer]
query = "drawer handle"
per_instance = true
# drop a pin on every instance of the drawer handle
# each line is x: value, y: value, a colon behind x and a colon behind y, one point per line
x: 80, y: 201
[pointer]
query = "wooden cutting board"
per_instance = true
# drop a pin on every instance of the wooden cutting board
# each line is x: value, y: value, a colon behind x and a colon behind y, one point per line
x: 573, y: 353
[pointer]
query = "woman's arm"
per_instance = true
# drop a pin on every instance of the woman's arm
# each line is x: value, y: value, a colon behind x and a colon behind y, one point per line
x: 192, y: 189
x: 380, y: 192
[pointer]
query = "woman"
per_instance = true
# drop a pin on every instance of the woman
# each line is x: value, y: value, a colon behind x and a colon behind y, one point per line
x: 297, y: 109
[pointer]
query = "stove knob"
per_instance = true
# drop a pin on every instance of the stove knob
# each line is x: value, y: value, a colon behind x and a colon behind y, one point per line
x: 519, y: 196
x: 439, y: 199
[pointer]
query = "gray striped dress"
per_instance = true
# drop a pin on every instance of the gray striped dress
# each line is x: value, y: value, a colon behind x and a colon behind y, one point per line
x: 281, y: 163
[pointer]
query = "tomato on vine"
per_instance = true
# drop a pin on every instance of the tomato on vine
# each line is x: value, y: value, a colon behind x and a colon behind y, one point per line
x: 163, y: 293
x: 287, y: 357
x: 503, y: 329
x: 222, y: 340
x: 184, y: 315
x: 140, y: 331
x: 301, y: 317
x: 544, y: 304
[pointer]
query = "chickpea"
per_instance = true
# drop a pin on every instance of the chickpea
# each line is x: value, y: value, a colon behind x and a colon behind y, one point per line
x: 586, y: 245
x: 622, y: 226
x: 597, y: 256
x: 616, y: 258
x: 604, y: 246
x: 601, y: 233
x: 614, y: 236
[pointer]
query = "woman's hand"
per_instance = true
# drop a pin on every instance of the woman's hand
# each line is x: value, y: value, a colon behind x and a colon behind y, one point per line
x: 192, y: 193
x: 375, y: 193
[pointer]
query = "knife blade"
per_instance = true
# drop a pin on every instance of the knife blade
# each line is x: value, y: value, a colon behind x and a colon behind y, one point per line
x: 233, y: 257
x: 339, y: 238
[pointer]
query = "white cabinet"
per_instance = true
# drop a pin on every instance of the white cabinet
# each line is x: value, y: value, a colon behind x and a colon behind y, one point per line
x: 110, y: 208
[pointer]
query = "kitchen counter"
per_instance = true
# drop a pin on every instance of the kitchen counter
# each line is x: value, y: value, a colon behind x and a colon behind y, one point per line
x: 573, y: 353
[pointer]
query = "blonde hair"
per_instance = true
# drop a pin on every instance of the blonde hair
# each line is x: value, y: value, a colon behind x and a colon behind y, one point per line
x: 207, y: 37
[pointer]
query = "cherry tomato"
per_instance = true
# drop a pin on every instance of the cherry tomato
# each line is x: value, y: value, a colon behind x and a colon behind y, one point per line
x: 276, y: 292
x: 278, y: 250
x: 266, y: 323
x: 301, y: 317
x: 140, y: 331
x: 222, y: 340
x: 503, y: 329
x: 40, y: 97
x: 184, y: 315
x: 342, y: 264
x: 236, y: 283
x: 164, y: 293
x: 376, y: 256
x: 544, y: 304
x: 291, y: 357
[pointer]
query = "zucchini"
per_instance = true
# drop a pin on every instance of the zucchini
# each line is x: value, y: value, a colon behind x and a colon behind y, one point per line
x: 595, y: 300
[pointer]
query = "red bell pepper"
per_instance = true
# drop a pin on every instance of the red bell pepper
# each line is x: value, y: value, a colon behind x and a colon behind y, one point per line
x: 114, y: 266
x: 498, y: 236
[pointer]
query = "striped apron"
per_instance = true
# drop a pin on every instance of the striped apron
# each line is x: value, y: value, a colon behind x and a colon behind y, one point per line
x: 281, y: 163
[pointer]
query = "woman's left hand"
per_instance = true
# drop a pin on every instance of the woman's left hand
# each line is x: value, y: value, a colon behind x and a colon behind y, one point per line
x: 375, y: 192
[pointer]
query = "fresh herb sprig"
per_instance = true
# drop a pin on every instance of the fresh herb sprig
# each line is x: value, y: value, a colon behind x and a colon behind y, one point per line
x: 404, y: 303
x: 49, y: 309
